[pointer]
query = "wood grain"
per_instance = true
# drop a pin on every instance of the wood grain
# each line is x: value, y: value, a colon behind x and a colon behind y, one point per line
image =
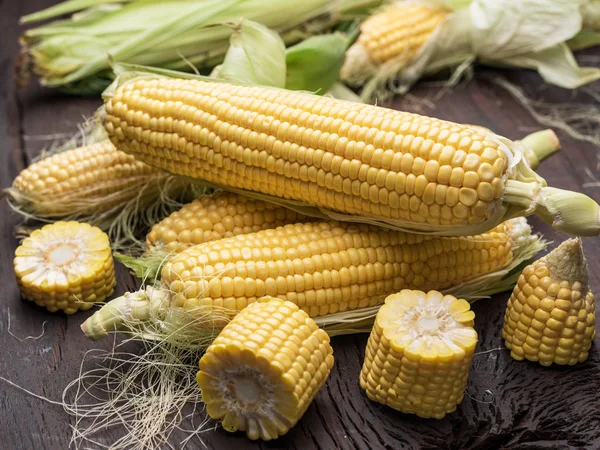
x: 510, y: 405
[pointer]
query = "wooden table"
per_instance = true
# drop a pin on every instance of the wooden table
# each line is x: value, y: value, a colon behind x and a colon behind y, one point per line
x: 509, y: 404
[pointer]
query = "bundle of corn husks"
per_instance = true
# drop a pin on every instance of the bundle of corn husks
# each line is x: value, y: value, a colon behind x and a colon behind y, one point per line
x: 71, y: 54
x: 410, y: 38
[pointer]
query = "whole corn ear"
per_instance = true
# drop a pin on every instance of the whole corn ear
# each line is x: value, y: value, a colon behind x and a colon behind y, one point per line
x: 95, y: 183
x: 351, y: 161
x: 264, y: 369
x: 550, y: 316
x: 393, y: 35
x: 419, y: 353
x: 337, y: 272
x: 65, y: 266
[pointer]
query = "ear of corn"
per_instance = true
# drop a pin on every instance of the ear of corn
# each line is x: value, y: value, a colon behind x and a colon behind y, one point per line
x: 419, y: 353
x: 350, y: 161
x: 97, y: 184
x: 264, y: 369
x: 338, y: 273
x: 395, y: 34
x: 65, y: 266
x: 550, y: 316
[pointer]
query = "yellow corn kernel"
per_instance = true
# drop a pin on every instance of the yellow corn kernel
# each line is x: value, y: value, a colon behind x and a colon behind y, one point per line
x: 550, y: 316
x: 394, y: 34
x: 390, y: 167
x: 216, y: 216
x: 65, y: 266
x: 83, y: 180
x: 327, y: 267
x: 264, y: 369
x: 419, y: 353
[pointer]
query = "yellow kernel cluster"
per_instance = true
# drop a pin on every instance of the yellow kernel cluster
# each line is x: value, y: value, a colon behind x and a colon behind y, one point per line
x: 95, y: 171
x: 419, y: 353
x: 349, y: 157
x: 217, y: 216
x: 399, y: 31
x: 65, y: 266
x: 264, y: 369
x: 326, y: 267
x: 550, y: 316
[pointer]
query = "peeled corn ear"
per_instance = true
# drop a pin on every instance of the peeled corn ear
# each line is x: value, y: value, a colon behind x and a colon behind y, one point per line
x: 394, y: 34
x: 419, y: 353
x: 550, y: 316
x: 349, y: 161
x: 264, y: 369
x: 65, y: 266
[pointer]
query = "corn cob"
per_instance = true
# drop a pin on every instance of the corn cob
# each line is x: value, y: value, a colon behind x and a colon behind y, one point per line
x: 347, y: 159
x: 65, y: 266
x: 323, y: 267
x: 95, y: 183
x: 419, y: 353
x: 550, y: 316
x: 264, y: 369
x: 213, y: 217
x: 395, y: 34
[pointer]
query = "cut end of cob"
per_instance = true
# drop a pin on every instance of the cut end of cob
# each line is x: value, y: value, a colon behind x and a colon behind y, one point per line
x: 550, y: 316
x: 65, y: 266
x: 538, y: 146
x: 264, y: 369
x: 416, y: 336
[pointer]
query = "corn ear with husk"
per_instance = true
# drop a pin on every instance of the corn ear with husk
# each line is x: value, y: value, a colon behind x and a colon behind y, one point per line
x: 336, y: 160
x: 428, y: 36
x: 71, y: 54
x: 339, y: 273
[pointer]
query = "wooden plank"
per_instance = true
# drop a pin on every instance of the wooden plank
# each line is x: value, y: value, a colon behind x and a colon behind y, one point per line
x: 509, y: 404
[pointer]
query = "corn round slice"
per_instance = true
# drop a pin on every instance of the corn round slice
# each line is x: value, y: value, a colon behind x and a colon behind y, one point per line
x: 66, y: 266
x: 264, y: 369
x: 419, y: 353
x: 550, y: 316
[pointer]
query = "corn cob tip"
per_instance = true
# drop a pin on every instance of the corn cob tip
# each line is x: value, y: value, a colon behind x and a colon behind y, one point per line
x: 538, y: 146
x: 117, y: 314
x: 567, y: 262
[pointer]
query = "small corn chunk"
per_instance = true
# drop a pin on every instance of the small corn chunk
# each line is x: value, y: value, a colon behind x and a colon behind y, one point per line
x: 82, y: 180
x: 328, y: 267
x: 216, y: 216
x: 550, y: 316
x: 419, y: 353
x: 65, y: 266
x: 396, y: 33
x: 264, y: 369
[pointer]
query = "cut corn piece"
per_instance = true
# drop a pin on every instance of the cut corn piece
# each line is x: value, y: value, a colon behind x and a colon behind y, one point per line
x: 419, y: 353
x: 550, y: 316
x: 65, y: 266
x: 264, y: 369
x: 348, y: 160
x: 323, y: 267
x: 395, y: 34
x: 216, y: 216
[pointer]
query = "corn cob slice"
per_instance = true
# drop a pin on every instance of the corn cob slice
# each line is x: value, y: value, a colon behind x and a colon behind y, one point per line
x: 65, y: 266
x: 550, y: 316
x: 213, y: 217
x: 95, y: 183
x: 395, y: 34
x: 264, y: 369
x: 347, y: 159
x: 419, y: 353
x: 325, y: 268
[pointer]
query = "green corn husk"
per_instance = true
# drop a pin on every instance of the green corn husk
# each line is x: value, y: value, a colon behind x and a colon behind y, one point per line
x: 184, y: 35
x: 514, y: 33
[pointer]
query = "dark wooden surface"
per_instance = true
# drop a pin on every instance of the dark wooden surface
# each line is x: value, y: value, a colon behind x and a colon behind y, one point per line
x: 510, y: 405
